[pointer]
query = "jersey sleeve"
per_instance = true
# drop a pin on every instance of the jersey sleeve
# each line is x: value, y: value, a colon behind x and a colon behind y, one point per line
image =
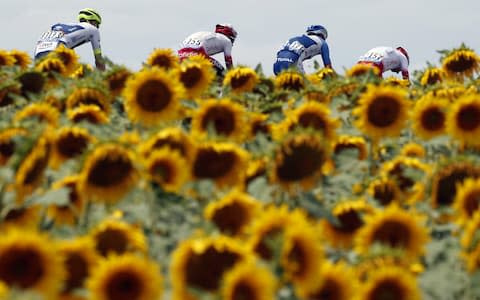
x: 227, y: 52
x: 325, y: 54
x: 95, y: 40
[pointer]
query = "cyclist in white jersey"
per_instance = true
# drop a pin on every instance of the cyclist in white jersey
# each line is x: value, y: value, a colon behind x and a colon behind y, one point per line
x: 72, y: 35
x: 387, y: 59
x: 210, y: 43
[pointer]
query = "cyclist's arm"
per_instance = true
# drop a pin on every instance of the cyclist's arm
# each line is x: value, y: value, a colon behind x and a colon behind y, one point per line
x: 404, y: 68
x: 326, y: 56
x: 97, y: 51
x: 227, y: 51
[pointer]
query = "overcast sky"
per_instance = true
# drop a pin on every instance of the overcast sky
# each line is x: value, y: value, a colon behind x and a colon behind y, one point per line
x: 132, y: 29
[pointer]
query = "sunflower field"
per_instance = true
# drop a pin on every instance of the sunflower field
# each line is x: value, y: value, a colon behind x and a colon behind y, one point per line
x: 171, y: 183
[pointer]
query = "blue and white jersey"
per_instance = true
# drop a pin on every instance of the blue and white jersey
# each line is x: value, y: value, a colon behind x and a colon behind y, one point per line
x: 300, y: 48
x: 71, y: 35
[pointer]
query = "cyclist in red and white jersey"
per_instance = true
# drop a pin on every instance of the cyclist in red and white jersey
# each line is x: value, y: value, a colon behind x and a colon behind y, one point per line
x: 210, y: 43
x: 387, y: 59
x: 72, y: 35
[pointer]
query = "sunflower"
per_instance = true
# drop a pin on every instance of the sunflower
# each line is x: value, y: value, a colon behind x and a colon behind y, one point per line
x: 385, y: 191
x: 446, y: 179
x: 467, y: 200
x: 302, y: 255
x: 126, y: 277
x: 461, y: 63
x: 233, y: 213
x: 258, y: 123
x: 173, y: 138
x: 7, y: 143
x: 290, y: 80
x: 321, y: 75
x: 200, y: 263
x: 71, y: 211
x: 68, y: 56
x: 346, y: 142
x: 29, y: 174
x: 7, y: 94
x: 40, y: 112
x: 225, y: 163
x: 87, y: 113
x: 152, y: 96
x: 82, y: 71
x: 432, y: 76
x: 471, y: 259
x: 167, y: 168
x: 241, y: 79
x: 384, y: 261
x: 394, y: 81
x: 88, y: 96
x: 51, y: 66
x: 32, y: 82
x: 298, y: 159
x: 29, y: 262
x: 394, y: 228
x: 69, y: 142
x: 400, y: 169
x: 248, y: 281
x: 272, y: 222
x: 224, y: 116
x: 80, y: 260
x: 317, y: 95
x: 350, y: 218
x: 382, y: 111
x: 312, y: 115
x: 359, y: 70
x: 22, y: 59
x: 429, y: 117
x: 117, y: 237
x: 390, y: 283
x: 116, y: 80
x: 6, y: 59
x: 337, y: 282
x: 413, y: 150
x: 196, y: 75
x: 21, y: 217
x: 255, y: 169
x: 463, y: 120
x: 163, y: 58
x: 108, y: 173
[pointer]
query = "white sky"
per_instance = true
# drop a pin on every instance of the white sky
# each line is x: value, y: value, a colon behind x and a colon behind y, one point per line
x: 132, y: 29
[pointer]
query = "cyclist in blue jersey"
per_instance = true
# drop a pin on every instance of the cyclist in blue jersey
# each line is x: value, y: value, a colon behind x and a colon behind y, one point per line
x: 300, y: 48
x: 72, y: 35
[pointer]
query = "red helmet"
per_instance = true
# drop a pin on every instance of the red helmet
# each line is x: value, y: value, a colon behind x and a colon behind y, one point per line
x: 227, y: 30
x: 404, y: 52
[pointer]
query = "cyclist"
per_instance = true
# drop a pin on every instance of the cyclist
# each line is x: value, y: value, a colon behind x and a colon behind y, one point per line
x: 72, y: 35
x: 300, y: 48
x: 210, y: 43
x: 387, y: 59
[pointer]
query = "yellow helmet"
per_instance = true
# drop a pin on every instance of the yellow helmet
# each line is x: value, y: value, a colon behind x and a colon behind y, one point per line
x: 89, y: 14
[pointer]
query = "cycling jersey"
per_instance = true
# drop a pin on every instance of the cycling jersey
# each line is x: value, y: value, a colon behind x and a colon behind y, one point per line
x: 386, y: 59
x: 71, y: 35
x: 300, y: 48
x: 207, y: 44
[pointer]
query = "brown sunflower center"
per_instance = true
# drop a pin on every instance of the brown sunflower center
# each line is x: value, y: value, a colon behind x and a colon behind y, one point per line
x: 116, y: 82
x: 472, y: 201
x: 222, y: 119
x: 154, y: 96
x: 191, y: 77
x: 7, y: 148
x: 213, y: 164
x: 260, y: 127
x: 125, y: 285
x: 398, y: 171
x: 162, y: 171
x: 299, y: 162
x: 298, y: 256
x: 230, y: 218
x: 71, y: 145
x: 162, y: 61
x: 383, y: 111
x: 32, y: 82
x: 94, y: 117
x: 461, y: 64
x: 433, y: 77
x: 111, y: 240
x: 388, y: 289
x: 312, y: 120
x: 77, y: 270
x: 15, y: 214
x: 262, y: 248
x: 349, y: 221
x: 244, y: 291
x: 446, y: 187
x: 294, y: 83
x: 21, y: 267
x: 393, y: 234
x: 172, y: 144
x: 205, y: 270
x: 239, y: 81
x: 384, y: 193
x: 109, y: 171
x: 468, y: 118
x: 432, y: 119
x: 330, y: 290
x: 36, y: 171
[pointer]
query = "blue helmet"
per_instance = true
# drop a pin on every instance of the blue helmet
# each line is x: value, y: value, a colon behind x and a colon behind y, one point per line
x: 318, y: 30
